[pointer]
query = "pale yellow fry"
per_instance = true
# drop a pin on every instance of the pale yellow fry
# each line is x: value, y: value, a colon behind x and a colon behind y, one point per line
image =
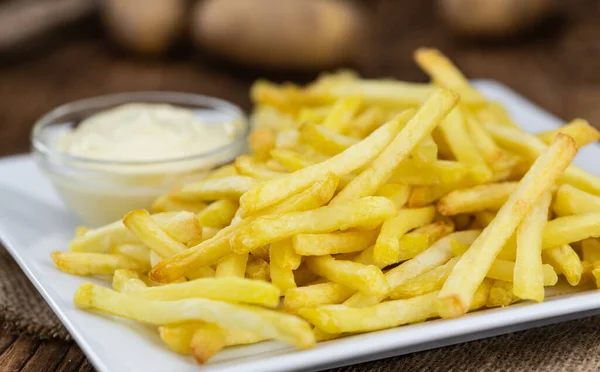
x: 246, y: 166
x: 165, y: 203
x: 127, y: 281
x: 442, y: 71
x: 342, y: 112
x: 365, y: 279
x: 430, y: 281
x: 482, y: 140
x: 313, y: 114
x: 438, y: 254
x: 232, y: 266
x: 397, y: 193
x: 569, y: 229
x: 565, y: 261
x: 461, y: 144
x: 316, y: 295
x: 85, y: 263
x: 590, y: 250
x: 291, y: 160
x: 531, y: 147
x: 258, y: 269
x: 283, y: 252
x: 581, y: 131
x: 141, y: 224
x: 501, y: 294
x: 231, y: 187
x: 456, y: 295
x: 210, y: 251
x: 333, y: 243
x: 138, y: 252
x: 504, y: 270
x: 425, y: 153
x: 368, y: 212
x: 529, y: 277
x: 208, y: 232
x: 281, y: 276
x: 415, y: 242
x: 441, y: 171
x: 273, y: 191
x: 202, y: 273
x: 387, y: 246
x: 266, y: 323
x: 571, y: 200
x: 476, y: 199
x: 418, y: 127
x: 425, y: 195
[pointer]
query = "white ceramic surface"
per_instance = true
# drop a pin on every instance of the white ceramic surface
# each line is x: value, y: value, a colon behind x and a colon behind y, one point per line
x: 34, y: 222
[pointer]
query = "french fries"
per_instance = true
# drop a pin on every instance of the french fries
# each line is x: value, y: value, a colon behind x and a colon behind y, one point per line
x: 364, y: 205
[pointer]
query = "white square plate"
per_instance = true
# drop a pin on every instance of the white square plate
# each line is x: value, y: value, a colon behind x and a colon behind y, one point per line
x: 34, y: 222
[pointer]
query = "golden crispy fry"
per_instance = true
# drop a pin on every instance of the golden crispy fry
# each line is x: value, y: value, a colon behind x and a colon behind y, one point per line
x: 368, y: 213
x: 571, y: 200
x: 138, y: 252
x: 366, y: 122
x: 418, y: 127
x: 316, y: 295
x: 476, y: 199
x: 210, y: 251
x: 456, y: 295
x: 420, y: 239
x: 504, y: 270
x: 428, y: 282
x: 565, y: 261
x: 273, y: 191
x: 231, y: 187
x: 218, y: 214
x: 482, y: 141
x: 262, y: 141
x: 257, y: 269
x: 284, y: 254
x: 325, y: 140
x: 141, y: 224
x: 387, y: 247
x: 246, y: 166
x: 501, y: 294
x: 208, y: 340
x: 569, y: 229
x: 425, y: 154
x: 333, y: 243
x: 232, y: 266
x: 266, y: 323
x: 85, y: 263
x: 528, y: 277
x: 341, y: 113
x: 461, y: 144
x: 438, y: 254
x: 165, y: 203
x: 365, y: 279
x: 580, y: 130
x: 442, y: 71
x: 531, y: 147
x: 397, y: 193
x: 441, y: 171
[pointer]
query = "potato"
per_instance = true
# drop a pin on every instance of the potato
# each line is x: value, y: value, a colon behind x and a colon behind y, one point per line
x: 290, y: 34
x: 144, y: 26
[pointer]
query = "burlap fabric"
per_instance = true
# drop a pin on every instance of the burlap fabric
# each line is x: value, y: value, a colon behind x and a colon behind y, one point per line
x: 570, y: 346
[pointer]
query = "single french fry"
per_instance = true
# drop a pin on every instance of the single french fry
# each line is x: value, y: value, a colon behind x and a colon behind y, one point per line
x: 456, y: 295
x: 569, y: 229
x: 165, y: 203
x: 316, y: 295
x: 341, y: 113
x: 416, y: 129
x: 367, y: 213
x: 232, y: 266
x: 420, y: 239
x: 202, y: 273
x: 425, y: 153
x: 441, y: 171
x: 504, y: 270
x: 231, y: 187
x: 529, y: 277
x: 428, y: 282
x: 565, y: 261
x: 425, y: 195
x: 580, y: 130
x: 218, y: 214
x: 262, y: 141
x: 571, y: 200
x: 267, y: 323
x: 258, y: 269
x: 126, y: 281
x: 397, y: 193
x: 141, y: 224
x: 86, y: 263
x: 365, y: 279
x: 208, y: 340
x: 246, y: 166
x: 438, y: 254
x: 273, y: 191
x: 387, y: 247
x: 333, y: 243
x: 442, y: 71
x: 476, y: 199
x: 501, y: 294
x: 482, y: 140
x: 281, y: 271
x: 138, y: 252
x: 325, y: 140
x: 285, y: 255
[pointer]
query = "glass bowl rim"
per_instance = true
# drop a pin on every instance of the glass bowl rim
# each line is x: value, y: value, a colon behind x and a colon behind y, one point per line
x: 115, y: 99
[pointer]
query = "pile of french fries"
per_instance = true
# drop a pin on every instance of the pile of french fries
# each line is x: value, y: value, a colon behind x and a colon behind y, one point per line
x: 365, y: 205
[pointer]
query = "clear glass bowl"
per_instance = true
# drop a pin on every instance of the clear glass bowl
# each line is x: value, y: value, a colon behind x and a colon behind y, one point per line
x: 101, y: 191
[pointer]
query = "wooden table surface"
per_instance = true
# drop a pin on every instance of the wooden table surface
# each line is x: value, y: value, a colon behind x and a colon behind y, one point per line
x: 557, y: 67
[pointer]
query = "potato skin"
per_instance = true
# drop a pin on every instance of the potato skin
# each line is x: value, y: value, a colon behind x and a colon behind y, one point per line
x: 282, y: 34
x: 144, y: 26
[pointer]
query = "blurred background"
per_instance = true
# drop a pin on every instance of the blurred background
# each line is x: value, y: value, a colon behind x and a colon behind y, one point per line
x: 56, y: 51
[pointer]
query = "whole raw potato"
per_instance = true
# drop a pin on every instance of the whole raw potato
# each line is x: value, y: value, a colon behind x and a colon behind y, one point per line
x: 286, y: 34
x: 144, y: 26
